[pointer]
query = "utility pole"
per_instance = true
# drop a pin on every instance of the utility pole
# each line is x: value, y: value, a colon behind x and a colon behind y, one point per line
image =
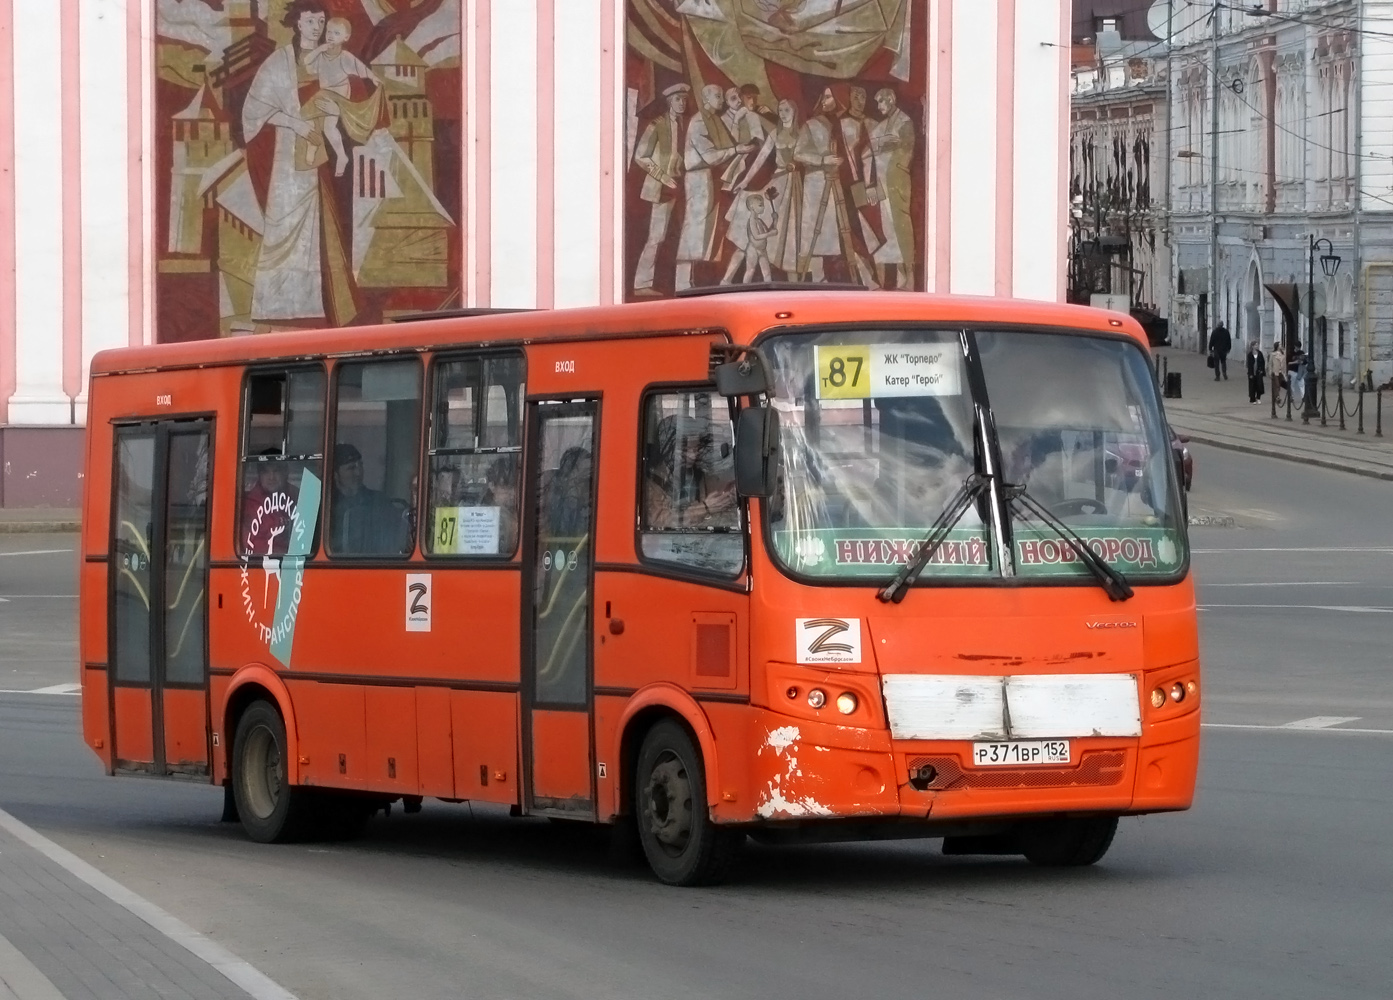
x: 1168, y: 204
x: 1213, y: 175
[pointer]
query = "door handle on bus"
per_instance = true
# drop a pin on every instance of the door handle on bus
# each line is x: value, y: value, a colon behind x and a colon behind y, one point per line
x: 616, y: 626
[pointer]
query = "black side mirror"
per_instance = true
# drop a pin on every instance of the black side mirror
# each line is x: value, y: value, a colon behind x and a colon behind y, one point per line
x: 756, y: 451
x: 745, y: 377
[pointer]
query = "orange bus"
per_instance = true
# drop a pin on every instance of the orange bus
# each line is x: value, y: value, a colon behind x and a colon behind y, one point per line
x: 789, y: 564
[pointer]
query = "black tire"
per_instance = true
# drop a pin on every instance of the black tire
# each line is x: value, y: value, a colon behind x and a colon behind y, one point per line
x: 682, y: 845
x: 1068, y: 843
x: 272, y: 810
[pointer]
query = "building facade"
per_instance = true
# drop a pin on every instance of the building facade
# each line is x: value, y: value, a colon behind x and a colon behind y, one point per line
x: 1118, y: 254
x: 1282, y: 125
x: 173, y: 169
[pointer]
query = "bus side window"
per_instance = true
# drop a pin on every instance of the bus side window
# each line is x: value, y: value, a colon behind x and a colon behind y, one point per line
x: 689, y: 514
x: 282, y: 443
x: 475, y: 463
x: 373, y: 489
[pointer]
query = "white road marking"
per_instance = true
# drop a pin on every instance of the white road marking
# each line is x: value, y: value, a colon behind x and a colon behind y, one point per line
x: 1356, y: 608
x: 1285, y: 728
x: 1315, y: 548
x: 35, y: 552
x: 51, y: 689
x: 1320, y: 722
x: 20, y: 979
x: 244, y: 975
x: 1303, y: 583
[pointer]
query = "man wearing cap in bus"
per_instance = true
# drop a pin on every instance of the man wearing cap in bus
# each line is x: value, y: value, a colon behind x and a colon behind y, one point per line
x: 659, y: 155
x: 361, y: 520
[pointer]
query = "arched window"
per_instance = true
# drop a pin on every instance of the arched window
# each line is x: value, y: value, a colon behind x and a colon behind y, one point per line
x: 1255, y: 154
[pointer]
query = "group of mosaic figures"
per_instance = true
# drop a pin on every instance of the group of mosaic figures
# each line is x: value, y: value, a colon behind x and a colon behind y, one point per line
x: 839, y: 186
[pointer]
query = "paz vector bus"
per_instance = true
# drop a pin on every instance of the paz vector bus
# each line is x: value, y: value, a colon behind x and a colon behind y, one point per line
x: 783, y: 564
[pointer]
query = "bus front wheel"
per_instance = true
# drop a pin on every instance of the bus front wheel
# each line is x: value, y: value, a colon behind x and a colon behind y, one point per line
x: 272, y: 810
x: 682, y: 845
x: 1068, y: 843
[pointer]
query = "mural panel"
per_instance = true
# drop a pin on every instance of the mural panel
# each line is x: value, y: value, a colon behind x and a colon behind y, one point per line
x: 308, y: 163
x: 774, y: 140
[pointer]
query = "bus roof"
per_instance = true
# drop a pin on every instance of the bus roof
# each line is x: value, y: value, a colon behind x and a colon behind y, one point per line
x: 743, y: 314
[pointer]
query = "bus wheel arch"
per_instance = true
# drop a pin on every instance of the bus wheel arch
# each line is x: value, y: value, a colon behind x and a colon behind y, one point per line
x: 253, y: 683
x: 645, y: 710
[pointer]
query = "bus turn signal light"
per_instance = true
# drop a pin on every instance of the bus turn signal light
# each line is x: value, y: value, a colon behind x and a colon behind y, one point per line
x: 1158, y: 698
x: 817, y: 697
x: 846, y: 703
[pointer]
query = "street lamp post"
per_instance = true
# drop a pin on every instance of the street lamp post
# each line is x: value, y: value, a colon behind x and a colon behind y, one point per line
x: 1329, y: 264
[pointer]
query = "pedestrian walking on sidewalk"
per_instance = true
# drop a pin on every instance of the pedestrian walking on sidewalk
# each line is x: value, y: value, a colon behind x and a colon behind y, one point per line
x: 1257, y: 371
x: 1220, y: 343
x: 1296, y: 372
x: 1277, y: 367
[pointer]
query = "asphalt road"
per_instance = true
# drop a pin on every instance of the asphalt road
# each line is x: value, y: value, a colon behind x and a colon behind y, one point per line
x: 1277, y: 884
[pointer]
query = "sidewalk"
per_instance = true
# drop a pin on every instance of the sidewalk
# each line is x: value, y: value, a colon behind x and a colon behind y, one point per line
x: 39, y: 519
x: 61, y: 938
x: 1219, y: 414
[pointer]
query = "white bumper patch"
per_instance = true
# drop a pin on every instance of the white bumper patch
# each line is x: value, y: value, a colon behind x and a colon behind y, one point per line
x: 1024, y: 706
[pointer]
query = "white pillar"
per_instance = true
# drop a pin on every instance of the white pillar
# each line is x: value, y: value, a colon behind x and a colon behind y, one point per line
x: 513, y: 152
x: 105, y: 214
x: 974, y: 148
x: 576, y: 153
x: 38, y: 177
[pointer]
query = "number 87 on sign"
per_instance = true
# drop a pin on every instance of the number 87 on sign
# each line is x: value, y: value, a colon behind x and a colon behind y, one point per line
x: 843, y: 372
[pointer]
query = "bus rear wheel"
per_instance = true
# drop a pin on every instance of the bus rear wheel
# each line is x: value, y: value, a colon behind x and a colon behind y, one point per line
x: 1068, y: 843
x: 682, y: 845
x: 272, y: 810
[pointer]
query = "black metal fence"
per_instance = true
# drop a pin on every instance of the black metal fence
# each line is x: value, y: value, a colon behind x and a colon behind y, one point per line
x: 1332, y: 409
x: 1336, y: 409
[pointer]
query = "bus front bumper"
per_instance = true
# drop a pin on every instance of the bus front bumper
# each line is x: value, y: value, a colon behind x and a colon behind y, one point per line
x: 804, y: 770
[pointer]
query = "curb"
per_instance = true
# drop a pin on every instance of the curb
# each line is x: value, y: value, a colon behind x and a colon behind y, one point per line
x: 39, y: 527
x: 1266, y: 452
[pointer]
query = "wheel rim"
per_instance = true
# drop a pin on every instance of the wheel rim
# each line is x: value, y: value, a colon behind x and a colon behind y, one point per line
x: 261, y: 772
x: 667, y: 804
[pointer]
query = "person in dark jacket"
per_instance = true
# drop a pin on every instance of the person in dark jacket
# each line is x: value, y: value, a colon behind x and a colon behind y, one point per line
x: 1220, y: 343
x: 1257, y: 371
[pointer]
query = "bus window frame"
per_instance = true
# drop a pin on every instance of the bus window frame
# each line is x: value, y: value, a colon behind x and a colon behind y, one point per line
x: 499, y: 560
x: 736, y: 581
x: 1180, y: 574
x: 244, y: 435
x: 367, y: 560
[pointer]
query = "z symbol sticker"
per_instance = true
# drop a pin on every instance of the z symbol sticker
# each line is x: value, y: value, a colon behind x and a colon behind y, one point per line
x: 828, y: 640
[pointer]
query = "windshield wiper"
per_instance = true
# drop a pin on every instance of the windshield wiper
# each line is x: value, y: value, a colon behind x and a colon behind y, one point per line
x: 972, y: 487
x: 1116, y: 585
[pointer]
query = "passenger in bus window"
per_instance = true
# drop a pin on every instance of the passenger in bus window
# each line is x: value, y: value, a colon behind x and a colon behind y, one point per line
x: 683, y: 488
x: 265, y: 516
x: 361, y: 520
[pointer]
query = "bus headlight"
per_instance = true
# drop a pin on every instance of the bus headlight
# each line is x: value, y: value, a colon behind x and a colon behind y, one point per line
x: 1177, y: 692
x: 817, y: 698
x: 846, y: 703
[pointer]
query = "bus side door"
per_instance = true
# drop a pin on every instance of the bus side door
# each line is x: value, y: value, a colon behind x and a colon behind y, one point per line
x: 158, y: 597
x: 558, y: 584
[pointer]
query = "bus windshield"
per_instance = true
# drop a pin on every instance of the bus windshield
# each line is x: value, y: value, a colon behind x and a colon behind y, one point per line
x: 878, y: 434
